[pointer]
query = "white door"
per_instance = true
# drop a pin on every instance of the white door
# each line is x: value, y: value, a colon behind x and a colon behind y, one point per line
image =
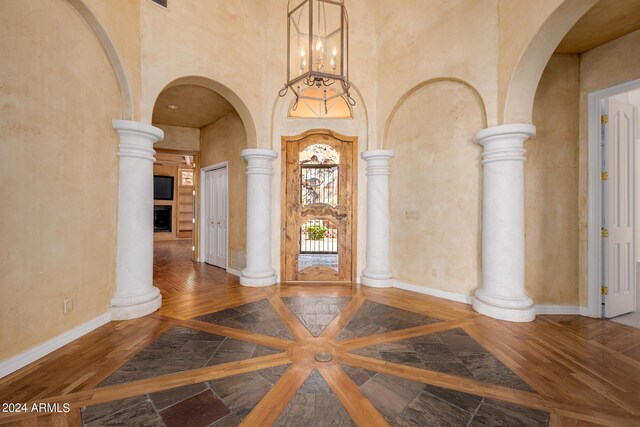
x: 216, y: 217
x: 619, y: 208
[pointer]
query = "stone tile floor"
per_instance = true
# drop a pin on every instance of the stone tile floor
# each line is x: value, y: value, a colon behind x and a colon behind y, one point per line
x: 375, y: 318
x: 410, y: 403
x: 182, y: 349
x: 226, y: 401
x: 314, y: 404
x: 451, y: 352
x: 316, y: 313
x: 258, y: 317
x: 222, y: 402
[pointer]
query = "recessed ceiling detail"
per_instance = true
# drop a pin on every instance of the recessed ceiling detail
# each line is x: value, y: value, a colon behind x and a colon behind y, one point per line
x: 197, y: 106
x: 606, y: 21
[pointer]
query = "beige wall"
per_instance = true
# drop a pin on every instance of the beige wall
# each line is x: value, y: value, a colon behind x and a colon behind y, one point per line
x: 551, y: 186
x: 220, y: 40
x: 121, y: 21
x: 435, y: 183
x: 222, y: 141
x: 59, y: 169
x: 608, y: 65
x: 179, y: 138
x: 518, y: 21
x: 425, y: 40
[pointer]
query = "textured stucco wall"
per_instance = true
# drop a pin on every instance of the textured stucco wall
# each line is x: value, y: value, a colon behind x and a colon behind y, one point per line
x: 551, y: 186
x: 604, y: 66
x: 222, y: 141
x: 179, y: 138
x: 59, y: 170
x: 425, y: 40
x: 435, y: 182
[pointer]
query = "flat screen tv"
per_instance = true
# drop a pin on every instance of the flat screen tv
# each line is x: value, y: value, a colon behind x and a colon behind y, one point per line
x: 162, y: 187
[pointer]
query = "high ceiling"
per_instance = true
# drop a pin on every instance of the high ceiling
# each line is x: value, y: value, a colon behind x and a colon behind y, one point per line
x: 197, y: 106
x: 606, y: 21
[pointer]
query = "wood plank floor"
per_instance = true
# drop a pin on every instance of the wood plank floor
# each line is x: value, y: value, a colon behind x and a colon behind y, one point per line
x: 581, y: 371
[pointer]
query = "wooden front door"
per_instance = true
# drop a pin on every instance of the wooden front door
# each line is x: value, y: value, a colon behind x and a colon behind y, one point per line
x: 318, y: 213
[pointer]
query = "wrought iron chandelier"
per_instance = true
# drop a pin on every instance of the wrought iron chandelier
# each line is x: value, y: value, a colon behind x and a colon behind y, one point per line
x: 318, y: 50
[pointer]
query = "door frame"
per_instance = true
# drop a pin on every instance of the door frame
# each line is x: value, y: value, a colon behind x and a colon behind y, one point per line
x: 203, y: 211
x: 354, y: 196
x: 594, y: 256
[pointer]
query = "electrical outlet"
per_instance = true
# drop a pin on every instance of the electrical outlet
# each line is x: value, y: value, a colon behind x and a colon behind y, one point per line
x: 68, y: 305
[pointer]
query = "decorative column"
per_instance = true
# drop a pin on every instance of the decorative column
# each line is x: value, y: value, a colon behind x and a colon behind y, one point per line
x: 502, y: 294
x: 377, y: 273
x: 259, y: 271
x: 135, y: 294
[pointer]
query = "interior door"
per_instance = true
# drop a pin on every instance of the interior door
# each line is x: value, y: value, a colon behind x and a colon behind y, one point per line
x: 619, y: 208
x: 216, y: 217
x: 318, y: 210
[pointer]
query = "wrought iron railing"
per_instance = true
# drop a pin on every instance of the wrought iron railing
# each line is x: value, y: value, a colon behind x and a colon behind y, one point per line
x: 318, y: 236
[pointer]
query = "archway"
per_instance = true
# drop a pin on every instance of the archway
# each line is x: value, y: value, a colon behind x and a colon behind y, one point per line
x: 518, y: 105
x: 201, y: 157
x: 228, y: 94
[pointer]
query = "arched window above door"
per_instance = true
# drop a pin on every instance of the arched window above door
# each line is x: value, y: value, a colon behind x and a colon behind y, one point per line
x: 336, y: 107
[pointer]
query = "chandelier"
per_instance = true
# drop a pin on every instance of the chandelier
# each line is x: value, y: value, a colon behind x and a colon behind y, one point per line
x: 317, y: 51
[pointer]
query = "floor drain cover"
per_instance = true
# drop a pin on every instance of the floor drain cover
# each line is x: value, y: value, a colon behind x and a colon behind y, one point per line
x: 323, y: 357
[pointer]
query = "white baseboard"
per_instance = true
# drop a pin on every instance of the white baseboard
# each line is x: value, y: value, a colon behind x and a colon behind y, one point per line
x: 557, y: 309
x: 584, y: 311
x: 433, y: 292
x: 9, y: 366
x: 233, y: 271
x: 466, y: 299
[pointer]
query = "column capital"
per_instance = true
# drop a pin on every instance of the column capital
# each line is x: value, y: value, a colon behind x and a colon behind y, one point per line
x: 137, y: 139
x: 259, y: 160
x: 504, y: 142
x: 377, y: 161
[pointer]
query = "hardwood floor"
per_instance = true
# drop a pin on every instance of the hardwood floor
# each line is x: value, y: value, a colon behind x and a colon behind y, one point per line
x: 246, y: 356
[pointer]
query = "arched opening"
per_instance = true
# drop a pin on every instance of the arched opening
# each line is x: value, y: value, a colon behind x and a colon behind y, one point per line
x: 582, y: 49
x: 524, y: 81
x: 200, y: 178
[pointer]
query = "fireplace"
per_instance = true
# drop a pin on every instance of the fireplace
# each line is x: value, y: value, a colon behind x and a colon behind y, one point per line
x: 161, y: 218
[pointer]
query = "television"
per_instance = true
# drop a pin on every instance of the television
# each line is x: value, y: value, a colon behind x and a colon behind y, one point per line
x: 162, y: 187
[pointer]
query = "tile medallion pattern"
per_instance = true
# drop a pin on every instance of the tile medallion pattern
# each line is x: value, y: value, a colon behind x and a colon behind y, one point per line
x: 227, y: 401
x: 258, y: 317
x: 183, y: 349
x: 410, y: 403
x: 222, y: 402
x: 314, y: 404
x: 375, y: 318
x: 452, y: 352
x: 316, y: 313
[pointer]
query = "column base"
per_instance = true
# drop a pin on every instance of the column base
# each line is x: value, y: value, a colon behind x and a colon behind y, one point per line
x: 134, y: 311
x: 376, y: 280
x: 526, y: 314
x: 258, y: 280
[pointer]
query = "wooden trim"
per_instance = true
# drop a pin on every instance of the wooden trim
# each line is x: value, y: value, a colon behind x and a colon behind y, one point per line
x: 181, y: 152
x: 155, y: 384
x: 353, y: 140
x: 267, y: 411
x: 195, y: 236
x: 352, y: 398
